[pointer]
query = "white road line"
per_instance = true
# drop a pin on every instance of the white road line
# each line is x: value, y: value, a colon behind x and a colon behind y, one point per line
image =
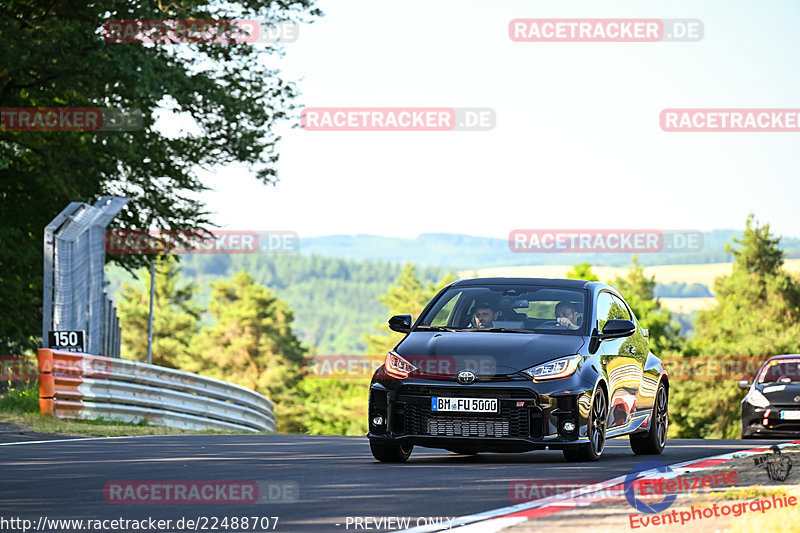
x: 83, y: 439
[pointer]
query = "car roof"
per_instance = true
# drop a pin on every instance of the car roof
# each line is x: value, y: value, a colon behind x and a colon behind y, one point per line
x: 785, y: 356
x: 549, y: 282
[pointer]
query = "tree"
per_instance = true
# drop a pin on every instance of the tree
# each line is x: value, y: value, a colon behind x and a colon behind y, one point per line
x: 638, y: 291
x: 758, y: 304
x: 335, y: 406
x: 757, y: 313
x: 174, y: 316
x: 252, y: 344
x: 339, y: 406
x: 582, y: 271
x: 407, y: 296
x: 54, y: 55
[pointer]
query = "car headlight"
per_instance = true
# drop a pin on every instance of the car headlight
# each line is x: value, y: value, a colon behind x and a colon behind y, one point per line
x: 397, y: 367
x: 757, y: 399
x: 559, y: 368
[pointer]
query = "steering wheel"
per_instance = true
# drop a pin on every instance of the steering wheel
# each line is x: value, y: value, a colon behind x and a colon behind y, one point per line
x: 548, y: 324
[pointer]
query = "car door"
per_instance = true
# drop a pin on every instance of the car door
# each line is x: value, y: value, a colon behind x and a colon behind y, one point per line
x: 622, y: 368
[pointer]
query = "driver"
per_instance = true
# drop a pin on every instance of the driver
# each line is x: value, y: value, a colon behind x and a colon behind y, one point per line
x: 484, y: 316
x: 567, y: 315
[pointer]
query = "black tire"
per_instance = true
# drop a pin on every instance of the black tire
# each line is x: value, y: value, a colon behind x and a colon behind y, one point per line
x: 390, y: 452
x: 596, y: 431
x: 652, y: 442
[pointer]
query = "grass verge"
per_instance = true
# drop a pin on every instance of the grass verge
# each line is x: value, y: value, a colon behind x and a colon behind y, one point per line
x: 39, y: 423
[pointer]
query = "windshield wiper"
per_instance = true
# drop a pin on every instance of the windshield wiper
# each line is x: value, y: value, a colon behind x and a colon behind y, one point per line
x: 435, y: 328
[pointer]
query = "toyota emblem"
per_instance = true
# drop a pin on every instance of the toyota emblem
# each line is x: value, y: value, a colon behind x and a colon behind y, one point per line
x: 797, y: 398
x: 466, y: 377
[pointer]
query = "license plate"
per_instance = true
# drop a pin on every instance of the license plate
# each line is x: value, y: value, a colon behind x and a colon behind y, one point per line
x: 790, y: 415
x: 464, y: 405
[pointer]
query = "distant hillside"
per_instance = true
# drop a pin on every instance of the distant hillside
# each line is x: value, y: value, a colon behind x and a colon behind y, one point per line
x: 335, y: 301
x: 701, y: 274
x: 467, y: 252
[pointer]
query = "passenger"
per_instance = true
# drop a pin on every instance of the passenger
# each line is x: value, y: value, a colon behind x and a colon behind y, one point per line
x: 483, y: 316
x: 567, y: 315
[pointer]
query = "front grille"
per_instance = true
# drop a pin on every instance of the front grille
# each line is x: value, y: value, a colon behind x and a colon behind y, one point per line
x: 447, y: 426
x: 511, y: 422
x: 786, y: 426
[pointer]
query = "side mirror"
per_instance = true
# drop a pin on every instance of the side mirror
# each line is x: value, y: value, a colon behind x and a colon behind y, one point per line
x: 617, y: 328
x: 744, y: 384
x: 401, y: 323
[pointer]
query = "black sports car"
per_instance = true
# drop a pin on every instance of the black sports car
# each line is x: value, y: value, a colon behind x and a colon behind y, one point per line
x: 519, y: 364
x: 772, y: 405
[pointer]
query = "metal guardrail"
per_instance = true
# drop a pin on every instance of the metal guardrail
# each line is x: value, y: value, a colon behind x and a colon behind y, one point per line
x: 76, y: 385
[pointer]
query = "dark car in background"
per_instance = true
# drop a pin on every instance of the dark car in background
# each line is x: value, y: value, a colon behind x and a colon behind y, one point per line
x: 519, y: 364
x: 771, y: 407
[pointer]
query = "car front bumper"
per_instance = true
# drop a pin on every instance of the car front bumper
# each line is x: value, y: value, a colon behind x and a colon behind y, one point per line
x: 767, y: 422
x: 531, y: 415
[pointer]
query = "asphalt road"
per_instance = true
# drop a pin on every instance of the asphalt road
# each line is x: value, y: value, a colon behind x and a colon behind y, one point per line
x: 334, y: 477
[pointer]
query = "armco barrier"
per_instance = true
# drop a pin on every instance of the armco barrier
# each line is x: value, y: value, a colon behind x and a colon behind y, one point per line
x: 76, y: 385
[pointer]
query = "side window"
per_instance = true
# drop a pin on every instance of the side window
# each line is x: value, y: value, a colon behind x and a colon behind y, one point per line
x: 604, y: 305
x: 619, y: 309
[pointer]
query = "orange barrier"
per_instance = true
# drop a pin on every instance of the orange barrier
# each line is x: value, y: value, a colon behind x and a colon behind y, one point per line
x: 60, y: 375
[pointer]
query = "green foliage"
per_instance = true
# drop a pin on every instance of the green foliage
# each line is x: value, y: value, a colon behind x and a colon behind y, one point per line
x: 407, y: 296
x: 251, y: 344
x: 174, y: 316
x: 638, y: 291
x: 582, y: 271
x: 335, y: 407
x: 339, y: 406
x: 335, y: 301
x: 23, y: 399
x: 758, y: 304
x: 757, y: 314
x: 54, y: 55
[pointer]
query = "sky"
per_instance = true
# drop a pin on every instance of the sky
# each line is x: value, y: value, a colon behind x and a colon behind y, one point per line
x: 577, y: 142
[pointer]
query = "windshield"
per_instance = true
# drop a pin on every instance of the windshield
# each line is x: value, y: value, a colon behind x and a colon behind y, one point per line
x: 780, y: 371
x: 508, y: 308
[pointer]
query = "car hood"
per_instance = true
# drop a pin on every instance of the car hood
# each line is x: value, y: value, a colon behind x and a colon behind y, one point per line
x: 490, y: 353
x: 781, y: 393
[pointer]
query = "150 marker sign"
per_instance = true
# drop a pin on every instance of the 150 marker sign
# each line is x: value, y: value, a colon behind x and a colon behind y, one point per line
x: 69, y: 340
